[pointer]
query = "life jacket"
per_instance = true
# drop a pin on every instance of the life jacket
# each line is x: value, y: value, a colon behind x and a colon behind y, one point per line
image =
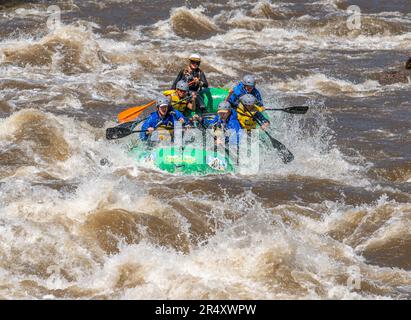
x: 165, y: 130
x: 181, y: 105
x: 246, y: 120
x: 161, y: 124
x: 164, y: 134
x: 177, y: 104
x: 190, y: 74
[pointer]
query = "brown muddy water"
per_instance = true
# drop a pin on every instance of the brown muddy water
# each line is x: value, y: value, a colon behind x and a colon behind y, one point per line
x: 339, y: 214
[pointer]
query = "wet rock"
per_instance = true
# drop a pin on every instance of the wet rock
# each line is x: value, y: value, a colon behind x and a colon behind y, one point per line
x: 398, y: 75
x: 393, y: 77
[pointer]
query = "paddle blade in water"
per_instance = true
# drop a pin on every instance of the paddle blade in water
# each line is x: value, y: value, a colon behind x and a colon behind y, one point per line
x: 297, y: 109
x: 117, y: 133
x: 285, y: 154
x: 293, y: 110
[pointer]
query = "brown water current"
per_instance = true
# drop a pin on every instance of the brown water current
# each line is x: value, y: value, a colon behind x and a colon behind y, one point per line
x: 75, y: 227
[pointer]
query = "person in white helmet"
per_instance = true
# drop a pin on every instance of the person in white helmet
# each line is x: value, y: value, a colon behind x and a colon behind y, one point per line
x: 226, y: 120
x: 192, y: 74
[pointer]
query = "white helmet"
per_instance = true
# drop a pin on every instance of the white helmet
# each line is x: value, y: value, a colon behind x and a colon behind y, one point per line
x: 182, y: 85
x: 195, y: 57
x: 224, y: 106
x: 248, y: 100
x: 249, y: 80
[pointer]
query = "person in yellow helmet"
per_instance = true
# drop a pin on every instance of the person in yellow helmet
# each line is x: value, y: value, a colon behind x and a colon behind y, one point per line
x: 249, y: 113
x: 192, y: 74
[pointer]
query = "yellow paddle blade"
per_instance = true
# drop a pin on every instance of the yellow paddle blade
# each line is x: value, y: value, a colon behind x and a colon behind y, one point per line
x: 132, y: 113
x: 168, y: 92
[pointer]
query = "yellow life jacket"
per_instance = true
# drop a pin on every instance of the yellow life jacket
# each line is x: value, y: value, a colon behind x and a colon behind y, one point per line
x: 244, y: 117
x: 164, y: 133
x: 177, y: 104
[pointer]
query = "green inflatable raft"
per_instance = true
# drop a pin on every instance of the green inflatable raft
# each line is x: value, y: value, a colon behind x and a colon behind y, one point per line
x: 188, y: 160
x: 212, y: 97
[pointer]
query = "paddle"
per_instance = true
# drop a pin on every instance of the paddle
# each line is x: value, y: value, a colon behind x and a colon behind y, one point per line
x: 132, y: 113
x: 285, y: 154
x: 125, y: 129
x: 293, y: 110
x: 120, y: 130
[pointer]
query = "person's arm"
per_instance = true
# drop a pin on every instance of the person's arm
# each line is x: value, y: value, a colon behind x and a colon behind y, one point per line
x: 233, y: 97
x: 260, y: 102
x: 209, y: 123
x: 192, y: 104
x: 178, y: 116
x: 179, y: 77
x: 233, y: 100
x: 149, y: 123
x: 263, y: 120
x: 203, y: 80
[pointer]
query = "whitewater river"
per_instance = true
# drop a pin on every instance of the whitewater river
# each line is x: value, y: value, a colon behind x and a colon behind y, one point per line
x: 333, y: 224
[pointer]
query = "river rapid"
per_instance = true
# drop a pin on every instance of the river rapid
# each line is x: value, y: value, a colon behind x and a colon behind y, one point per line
x: 333, y: 224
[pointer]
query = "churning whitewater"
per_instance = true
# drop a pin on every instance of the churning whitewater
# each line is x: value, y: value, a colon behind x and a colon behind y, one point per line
x: 80, y: 219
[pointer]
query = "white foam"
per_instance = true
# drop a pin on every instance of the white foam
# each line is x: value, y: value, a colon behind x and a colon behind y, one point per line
x: 328, y: 86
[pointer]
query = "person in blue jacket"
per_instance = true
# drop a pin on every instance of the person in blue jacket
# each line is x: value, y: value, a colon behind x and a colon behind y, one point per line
x: 247, y: 86
x: 165, y: 118
x: 226, y: 120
